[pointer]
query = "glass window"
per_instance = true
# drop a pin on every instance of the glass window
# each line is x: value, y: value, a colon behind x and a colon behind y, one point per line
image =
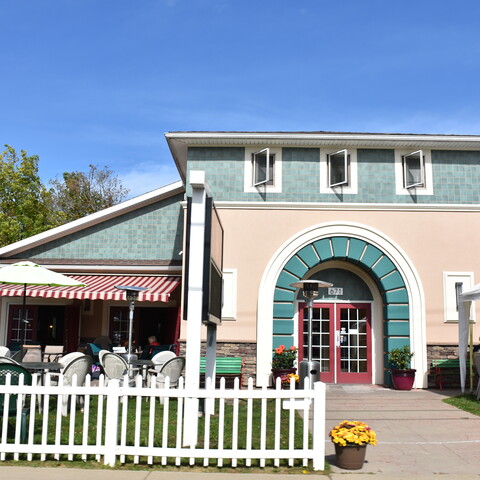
x: 338, y: 168
x: 413, y: 169
x: 263, y: 167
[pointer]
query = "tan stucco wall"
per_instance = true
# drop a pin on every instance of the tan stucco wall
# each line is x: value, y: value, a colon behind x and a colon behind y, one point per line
x: 434, y: 242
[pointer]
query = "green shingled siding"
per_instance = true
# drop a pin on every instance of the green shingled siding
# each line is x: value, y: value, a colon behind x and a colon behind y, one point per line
x: 153, y: 232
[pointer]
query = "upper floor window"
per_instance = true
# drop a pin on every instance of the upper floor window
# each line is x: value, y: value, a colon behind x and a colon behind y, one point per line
x: 263, y: 170
x: 413, y: 169
x: 338, y: 170
x: 263, y: 163
x: 338, y: 166
x: 413, y: 172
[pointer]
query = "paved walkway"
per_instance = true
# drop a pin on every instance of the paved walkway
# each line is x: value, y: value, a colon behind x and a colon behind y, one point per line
x: 419, y: 437
x: 417, y: 433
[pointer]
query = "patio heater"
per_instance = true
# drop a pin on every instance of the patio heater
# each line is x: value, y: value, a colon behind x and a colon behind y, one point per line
x: 309, y: 368
x: 132, y: 295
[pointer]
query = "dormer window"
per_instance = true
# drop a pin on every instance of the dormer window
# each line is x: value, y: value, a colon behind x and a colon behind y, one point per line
x: 413, y: 169
x: 263, y: 163
x: 338, y: 167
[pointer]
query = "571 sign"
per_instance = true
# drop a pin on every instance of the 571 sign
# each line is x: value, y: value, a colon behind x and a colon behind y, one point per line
x: 335, y: 290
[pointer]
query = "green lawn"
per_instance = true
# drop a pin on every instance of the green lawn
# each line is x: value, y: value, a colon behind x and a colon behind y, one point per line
x: 466, y: 402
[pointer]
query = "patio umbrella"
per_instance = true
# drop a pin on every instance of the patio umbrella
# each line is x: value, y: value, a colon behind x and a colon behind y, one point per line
x: 29, y: 273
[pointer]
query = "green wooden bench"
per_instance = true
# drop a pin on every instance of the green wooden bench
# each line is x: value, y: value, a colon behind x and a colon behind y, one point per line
x: 443, y: 368
x: 228, y: 367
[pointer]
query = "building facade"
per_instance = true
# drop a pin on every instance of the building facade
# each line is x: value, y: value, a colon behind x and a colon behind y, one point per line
x: 391, y: 221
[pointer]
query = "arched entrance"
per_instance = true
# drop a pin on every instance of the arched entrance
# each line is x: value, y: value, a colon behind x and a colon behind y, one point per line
x: 383, y: 267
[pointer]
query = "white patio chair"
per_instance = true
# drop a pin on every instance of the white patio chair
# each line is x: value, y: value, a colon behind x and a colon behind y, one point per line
x: 8, y: 360
x: 69, y: 357
x: 101, y: 353
x: 115, y: 367
x: 81, y: 367
x: 52, y: 353
x: 173, y: 369
x: 64, y: 361
x: 158, y: 361
x: 5, y: 352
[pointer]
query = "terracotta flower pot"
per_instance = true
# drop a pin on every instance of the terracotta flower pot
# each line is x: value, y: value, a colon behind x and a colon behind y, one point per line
x: 350, y: 457
x: 403, y: 379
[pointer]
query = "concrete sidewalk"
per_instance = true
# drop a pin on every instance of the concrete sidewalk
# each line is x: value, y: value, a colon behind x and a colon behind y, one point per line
x: 419, y: 437
x: 417, y: 433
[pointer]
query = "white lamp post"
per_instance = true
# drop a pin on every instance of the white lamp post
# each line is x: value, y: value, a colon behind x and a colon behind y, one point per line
x: 309, y: 368
x: 132, y: 295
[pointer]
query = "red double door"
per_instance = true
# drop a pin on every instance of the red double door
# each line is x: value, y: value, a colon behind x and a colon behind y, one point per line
x: 341, y: 341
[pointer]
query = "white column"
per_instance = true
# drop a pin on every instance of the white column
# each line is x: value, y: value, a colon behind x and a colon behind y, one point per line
x: 195, y: 299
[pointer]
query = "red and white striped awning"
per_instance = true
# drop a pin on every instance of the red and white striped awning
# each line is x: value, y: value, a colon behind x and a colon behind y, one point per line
x: 101, y: 287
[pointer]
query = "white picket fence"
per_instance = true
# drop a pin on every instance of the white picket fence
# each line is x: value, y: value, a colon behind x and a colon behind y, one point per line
x: 164, y: 426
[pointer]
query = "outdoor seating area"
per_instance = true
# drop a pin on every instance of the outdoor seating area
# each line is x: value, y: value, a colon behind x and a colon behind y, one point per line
x: 51, y: 360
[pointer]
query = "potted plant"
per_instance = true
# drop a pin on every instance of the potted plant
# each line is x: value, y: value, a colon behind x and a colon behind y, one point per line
x: 402, y: 375
x: 283, y: 361
x: 351, y: 439
x: 286, y: 379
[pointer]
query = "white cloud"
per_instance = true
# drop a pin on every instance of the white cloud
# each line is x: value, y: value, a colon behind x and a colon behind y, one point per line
x: 147, y: 177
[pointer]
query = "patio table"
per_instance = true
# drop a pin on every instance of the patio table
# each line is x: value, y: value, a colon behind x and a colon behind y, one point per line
x: 143, y: 364
x: 50, y: 366
x: 42, y: 367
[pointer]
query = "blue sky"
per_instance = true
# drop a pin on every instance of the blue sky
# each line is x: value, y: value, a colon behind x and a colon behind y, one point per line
x: 100, y: 81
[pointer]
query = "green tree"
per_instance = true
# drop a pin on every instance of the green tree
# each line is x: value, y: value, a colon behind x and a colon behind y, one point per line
x: 23, y: 197
x: 78, y: 194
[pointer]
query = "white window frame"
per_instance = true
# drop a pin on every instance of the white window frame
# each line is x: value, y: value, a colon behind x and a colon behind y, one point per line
x: 249, y: 183
x: 450, y: 279
x: 229, y: 307
x: 426, y: 188
x: 351, y: 187
x: 256, y: 182
x: 346, y: 161
x: 406, y: 169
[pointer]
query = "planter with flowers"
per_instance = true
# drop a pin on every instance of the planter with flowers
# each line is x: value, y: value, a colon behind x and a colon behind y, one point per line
x: 351, y: 439
x: 286, y: 379
x: 283, y: 362
x: 403, y: 376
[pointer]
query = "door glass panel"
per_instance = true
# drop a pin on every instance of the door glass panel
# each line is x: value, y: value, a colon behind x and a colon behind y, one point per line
x: 320, y: 337
x: 353, y: 340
